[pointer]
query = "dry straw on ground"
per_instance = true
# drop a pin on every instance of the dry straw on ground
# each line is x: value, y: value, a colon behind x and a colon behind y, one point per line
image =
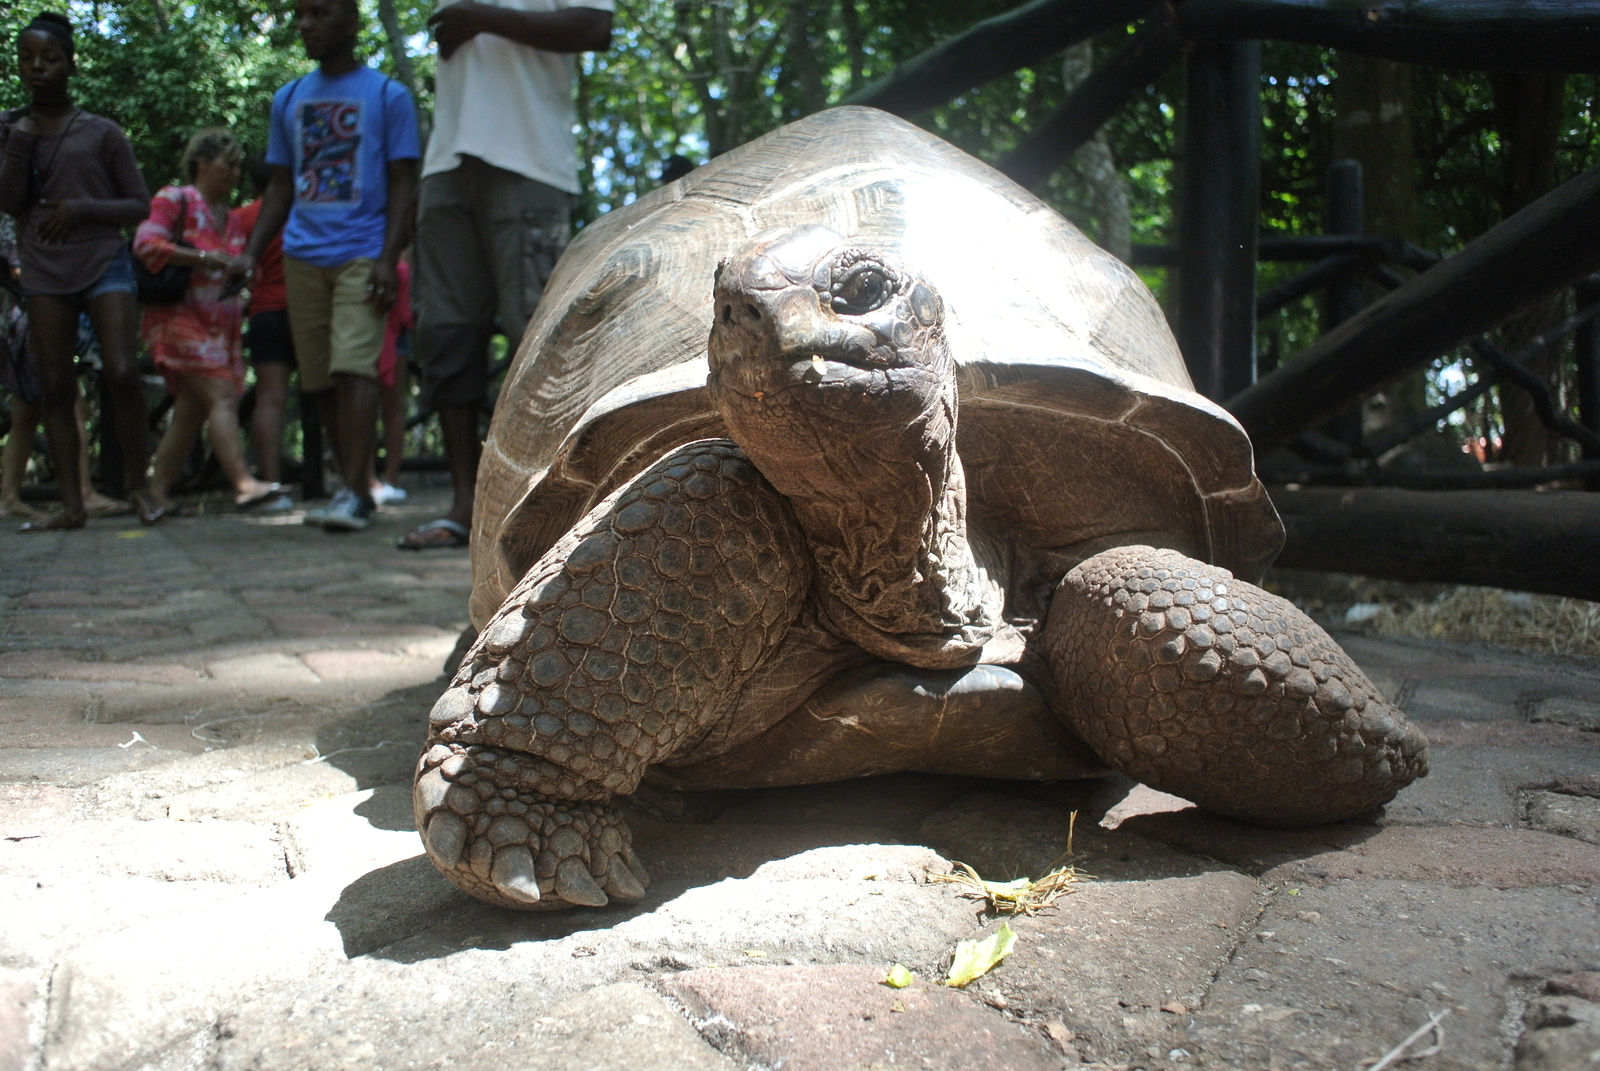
x: 1546, y: 624
x: 1543, y: 624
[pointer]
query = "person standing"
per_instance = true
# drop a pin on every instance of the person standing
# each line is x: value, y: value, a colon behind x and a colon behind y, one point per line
x: 268, y: 341
x: 344, y: 151
x: 70, y: 179
x: 195, y: 342
x: 495, y: 207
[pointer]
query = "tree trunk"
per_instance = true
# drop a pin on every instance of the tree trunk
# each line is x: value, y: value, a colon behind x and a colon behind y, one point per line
x: 1107, y: 188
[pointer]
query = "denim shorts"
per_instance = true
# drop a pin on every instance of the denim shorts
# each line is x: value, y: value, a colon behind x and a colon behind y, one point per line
x: 116, y: 279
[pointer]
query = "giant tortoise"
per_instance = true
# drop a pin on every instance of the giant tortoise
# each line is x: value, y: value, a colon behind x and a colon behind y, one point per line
x: 845, y: 455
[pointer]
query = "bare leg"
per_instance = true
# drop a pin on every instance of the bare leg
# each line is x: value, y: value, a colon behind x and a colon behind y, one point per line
x: 357, y: 432
x: 391, y: 401
x: 92, y: 500
x: 1204, y: 686
x: 625, y: 644
x: 183, y: 428
x: 459, y: 425
x: 221, y: 406
x: 14, y: 460
x: 53, y: 338
x: 115, y: 317
x: 266, y: 426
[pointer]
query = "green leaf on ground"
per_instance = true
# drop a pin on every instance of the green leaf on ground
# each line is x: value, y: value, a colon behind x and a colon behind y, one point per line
x: 898, y: 977
x: 974, y: 959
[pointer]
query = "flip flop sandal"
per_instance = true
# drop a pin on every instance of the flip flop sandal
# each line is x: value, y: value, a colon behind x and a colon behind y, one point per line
x: 423, y: 538
x: 55, y: 522
x: 273, y: 491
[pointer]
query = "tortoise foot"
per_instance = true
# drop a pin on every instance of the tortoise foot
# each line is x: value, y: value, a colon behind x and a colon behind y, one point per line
x: 1217, y: 691
x: 512, y: 846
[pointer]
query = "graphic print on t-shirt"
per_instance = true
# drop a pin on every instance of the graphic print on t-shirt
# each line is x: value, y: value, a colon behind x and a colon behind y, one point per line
x: 330, y: 157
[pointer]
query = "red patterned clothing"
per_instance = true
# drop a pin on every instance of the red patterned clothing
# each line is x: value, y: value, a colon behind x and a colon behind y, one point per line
x: 267, y: 292
x: 200, y: 335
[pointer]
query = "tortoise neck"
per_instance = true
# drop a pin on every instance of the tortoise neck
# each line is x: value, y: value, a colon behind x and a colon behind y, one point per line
x: 885, y: 516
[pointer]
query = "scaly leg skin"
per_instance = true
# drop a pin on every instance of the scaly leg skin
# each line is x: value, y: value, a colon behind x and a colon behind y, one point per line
x: 1204, y: 686
x: 620, y: 647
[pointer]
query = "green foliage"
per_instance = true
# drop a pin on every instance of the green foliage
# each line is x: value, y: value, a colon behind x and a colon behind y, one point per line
x: 698, y: 77
x: 162, y: 73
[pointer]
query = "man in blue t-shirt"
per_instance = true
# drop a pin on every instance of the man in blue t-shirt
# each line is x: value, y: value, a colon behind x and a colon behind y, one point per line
x: 344, y: 153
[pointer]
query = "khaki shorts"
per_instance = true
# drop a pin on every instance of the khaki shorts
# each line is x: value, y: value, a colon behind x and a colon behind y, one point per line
x: 335, y: 329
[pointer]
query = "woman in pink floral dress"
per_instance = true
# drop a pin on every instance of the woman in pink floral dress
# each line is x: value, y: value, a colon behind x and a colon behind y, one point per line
x: 196, y: 343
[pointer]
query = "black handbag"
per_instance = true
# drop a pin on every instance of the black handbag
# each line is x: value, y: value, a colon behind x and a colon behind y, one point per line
x: 167, y: 286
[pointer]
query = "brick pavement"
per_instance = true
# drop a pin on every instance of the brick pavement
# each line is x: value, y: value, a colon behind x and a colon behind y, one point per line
x: 206, y: 860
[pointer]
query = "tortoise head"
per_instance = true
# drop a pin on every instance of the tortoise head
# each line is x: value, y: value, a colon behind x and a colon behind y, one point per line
x: 818, y: 342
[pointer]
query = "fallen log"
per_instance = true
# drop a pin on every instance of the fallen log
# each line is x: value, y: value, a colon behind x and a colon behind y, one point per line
x: 1541, y: 248
x: 1541, y: 541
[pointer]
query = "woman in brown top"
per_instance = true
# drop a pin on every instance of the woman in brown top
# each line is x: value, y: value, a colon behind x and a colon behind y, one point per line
x: 70, y: 179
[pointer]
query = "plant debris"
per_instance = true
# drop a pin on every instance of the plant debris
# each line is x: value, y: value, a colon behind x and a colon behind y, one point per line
x: 974, y: 959
x: 898, y: 977
x: 1020, y: 896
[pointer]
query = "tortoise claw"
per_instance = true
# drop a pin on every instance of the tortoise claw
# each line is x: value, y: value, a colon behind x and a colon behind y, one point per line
x: 447, y: 835
x: 574, y: 885
x: 621, y: 883
x: 512, y: 873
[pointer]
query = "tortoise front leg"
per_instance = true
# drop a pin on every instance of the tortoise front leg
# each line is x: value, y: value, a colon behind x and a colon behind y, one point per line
x: 620, y: 646
x: 1201, y: 685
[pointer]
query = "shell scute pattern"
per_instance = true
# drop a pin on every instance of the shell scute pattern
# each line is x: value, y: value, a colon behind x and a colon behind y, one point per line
x: 1179, y: 673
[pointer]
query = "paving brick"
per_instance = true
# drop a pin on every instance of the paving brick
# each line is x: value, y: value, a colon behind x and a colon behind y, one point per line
x: 1455, y: 855
x: 825, y: 1018
x: 1566, y: 815
x: 17, y: 991
x: 1341, y: 974
x: 63, y: 665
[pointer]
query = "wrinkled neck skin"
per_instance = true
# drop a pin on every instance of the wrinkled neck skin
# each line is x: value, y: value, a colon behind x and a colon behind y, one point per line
x: 884, y: 509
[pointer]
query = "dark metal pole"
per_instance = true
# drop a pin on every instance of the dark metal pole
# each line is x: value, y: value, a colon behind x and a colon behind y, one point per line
x: 1218, y: 216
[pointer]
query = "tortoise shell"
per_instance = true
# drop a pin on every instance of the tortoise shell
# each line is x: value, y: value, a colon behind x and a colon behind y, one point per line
x: 1079, y: 428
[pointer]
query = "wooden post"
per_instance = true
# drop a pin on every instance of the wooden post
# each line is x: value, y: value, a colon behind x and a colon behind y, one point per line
x: 1586, y: 352
x: 1218, y: 215
x: 1342, y: 215
x: 1532, y: 253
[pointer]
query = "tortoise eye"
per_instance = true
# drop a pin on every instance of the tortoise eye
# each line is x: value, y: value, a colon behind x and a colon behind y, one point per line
x: 864, y: 289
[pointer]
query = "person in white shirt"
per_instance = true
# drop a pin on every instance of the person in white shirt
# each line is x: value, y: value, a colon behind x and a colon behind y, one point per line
x: 499, y: 180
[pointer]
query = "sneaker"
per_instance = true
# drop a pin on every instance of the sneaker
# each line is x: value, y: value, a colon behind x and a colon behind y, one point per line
x: 386, y: 493
x: 348, y: 513
x: 277, y: 504
x: 315, y: 517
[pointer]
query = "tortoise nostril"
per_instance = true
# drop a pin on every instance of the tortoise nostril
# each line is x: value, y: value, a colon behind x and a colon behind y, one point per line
x: 727, y: 314
x: 751, y: 311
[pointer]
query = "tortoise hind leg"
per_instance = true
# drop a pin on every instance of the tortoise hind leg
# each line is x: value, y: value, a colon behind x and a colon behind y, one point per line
x: 1212, y: 689
x: 621, y: 647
